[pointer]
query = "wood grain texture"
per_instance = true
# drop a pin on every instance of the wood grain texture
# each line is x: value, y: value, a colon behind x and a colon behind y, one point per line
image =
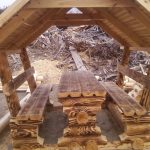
x: 15, y: 83
x: 128, y: 105
x: 35, y: 106
x: 81, y: 131
x: 84, y: 3
x: 6, y: 76
x: 77, y: 83
x: 26, y: 65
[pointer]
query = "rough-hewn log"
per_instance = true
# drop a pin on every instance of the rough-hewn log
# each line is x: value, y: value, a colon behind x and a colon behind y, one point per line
x: 82, y: 131
x: 12, y: 85
x: 6, y: 76
x: 127, y: 104
x: 137, y: 129
x: 26, y: 64
x: 91, y: 145
x: 124, y: 61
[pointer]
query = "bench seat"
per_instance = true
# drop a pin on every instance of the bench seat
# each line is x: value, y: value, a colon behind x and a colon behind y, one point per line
x: 128, y: 105
x: 35, y: 105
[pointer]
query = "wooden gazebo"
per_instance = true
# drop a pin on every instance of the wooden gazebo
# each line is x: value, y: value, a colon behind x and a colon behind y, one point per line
x: 127, y: 21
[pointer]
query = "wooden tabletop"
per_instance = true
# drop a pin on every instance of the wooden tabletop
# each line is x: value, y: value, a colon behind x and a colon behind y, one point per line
x: 79, y: 83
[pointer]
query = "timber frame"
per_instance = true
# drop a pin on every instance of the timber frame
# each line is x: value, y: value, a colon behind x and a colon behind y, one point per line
x: 127, y: 21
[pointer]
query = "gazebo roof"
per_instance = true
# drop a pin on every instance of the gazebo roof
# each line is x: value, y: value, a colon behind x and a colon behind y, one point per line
x: 128, y: 21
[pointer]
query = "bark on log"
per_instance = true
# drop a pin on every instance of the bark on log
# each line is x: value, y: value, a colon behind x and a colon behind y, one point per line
x: 26, y: 64
x: 6, y: 76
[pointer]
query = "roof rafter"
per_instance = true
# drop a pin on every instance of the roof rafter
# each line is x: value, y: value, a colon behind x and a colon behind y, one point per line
x: 121, y: 26
x: 11, y: 11
x: 145, y: 4
x: 82, y: 3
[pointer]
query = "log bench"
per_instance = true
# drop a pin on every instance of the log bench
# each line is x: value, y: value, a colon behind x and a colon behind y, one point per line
x: 131, y: 116
x: 24, y: 127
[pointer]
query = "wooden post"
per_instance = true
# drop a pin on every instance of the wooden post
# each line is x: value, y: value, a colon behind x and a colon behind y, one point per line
x: 6, y: 76
x: 124, y: 62
x: 26, y: 64
x: 145, y: 100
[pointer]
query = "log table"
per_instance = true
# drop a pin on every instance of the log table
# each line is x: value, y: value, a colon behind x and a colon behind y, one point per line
x: 82, y: 96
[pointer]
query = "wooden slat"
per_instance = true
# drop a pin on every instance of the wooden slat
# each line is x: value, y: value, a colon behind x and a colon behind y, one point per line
x: 128, y: 105
x: 121, y: 26
x: 80, y: 82
x: 63, y: 85
x: 11, y: 11
x: 138, y: 77
x: 145, y: 4
x: 35, y: 106
x: 139, y: 15
x: 83, y: 3
x: 124, y: 61
x: 77, y: 59
x: 69, y: 85
x: 15, y: 83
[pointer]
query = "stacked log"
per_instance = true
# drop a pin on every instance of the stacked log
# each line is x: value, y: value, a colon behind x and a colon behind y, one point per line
x: 81, y: 96
x: 25, y: 126
x: 132, y: 126
x: 131, y: 117
x: 24, y: 134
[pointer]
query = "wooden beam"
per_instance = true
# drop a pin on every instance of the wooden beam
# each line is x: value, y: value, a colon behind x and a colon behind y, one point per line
x: 83, y: 3
x: 138, y: 48
x: 77, y: 59
x: 77, y: 17
x: 138, y: 77
x: 73, y: 22
x: 122, y: 27
x: 15, y: 83
x: 6, y: 76
x: 145, y: 4
x: 26, y: 64
x: 12, y: 10
x: 14, y: 23
x: 124, y: 62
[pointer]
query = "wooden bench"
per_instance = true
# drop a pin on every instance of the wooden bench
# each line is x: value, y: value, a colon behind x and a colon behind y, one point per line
x: 35, y: 106
x: 128, y: 105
